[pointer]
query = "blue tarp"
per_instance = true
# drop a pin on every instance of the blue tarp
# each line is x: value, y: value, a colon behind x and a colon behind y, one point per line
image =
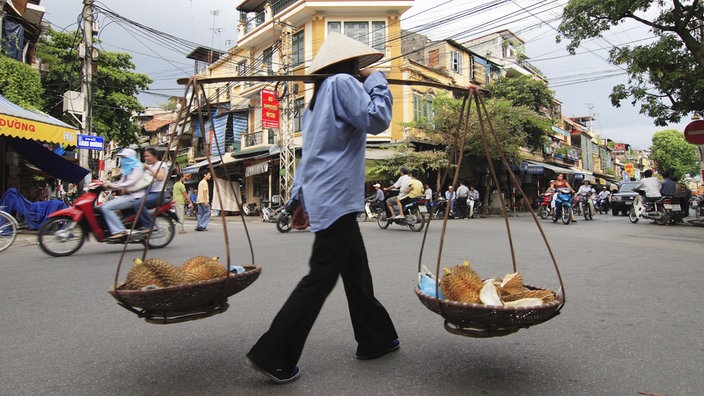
x: 33, y: 213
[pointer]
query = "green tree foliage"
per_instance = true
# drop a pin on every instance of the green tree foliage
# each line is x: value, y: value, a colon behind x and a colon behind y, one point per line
x: 115, y: 85
x: 20, y: 84
x: 666, y: 76
x: 405, y: 155
x: 674, y: 154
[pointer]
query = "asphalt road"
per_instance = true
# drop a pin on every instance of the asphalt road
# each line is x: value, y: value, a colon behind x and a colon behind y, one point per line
x: 633, y: 321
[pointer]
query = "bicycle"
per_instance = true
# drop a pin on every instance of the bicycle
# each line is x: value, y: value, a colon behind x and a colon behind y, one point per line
x: 8, y: 230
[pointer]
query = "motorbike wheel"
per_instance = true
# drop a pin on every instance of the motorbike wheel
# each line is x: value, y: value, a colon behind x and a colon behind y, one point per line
x: 665, y: 219
x: 555, y: 215
x: 382, y: 221
x: 362, y: 217
x: 283, y: 224
x: 543, y: 212
x: 632, y: 216
x: 420, y: 221
x: 614, y: 212
x: 61, y: 236
x: 164, y: 232
x: 566, y: 215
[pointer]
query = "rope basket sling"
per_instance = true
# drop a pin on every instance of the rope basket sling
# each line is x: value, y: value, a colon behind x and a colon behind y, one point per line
x: 199, y: 299
x: 476, y: 319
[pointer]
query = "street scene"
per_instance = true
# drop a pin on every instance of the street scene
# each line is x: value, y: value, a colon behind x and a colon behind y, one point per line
x: 351, y: 197
x: 631, y: 322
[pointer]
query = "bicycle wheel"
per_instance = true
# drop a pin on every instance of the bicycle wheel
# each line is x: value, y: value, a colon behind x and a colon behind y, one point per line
x: 8, y: 230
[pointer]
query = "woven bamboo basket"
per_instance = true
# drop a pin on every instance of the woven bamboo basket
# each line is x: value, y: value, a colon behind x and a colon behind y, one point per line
x: 185, y: 302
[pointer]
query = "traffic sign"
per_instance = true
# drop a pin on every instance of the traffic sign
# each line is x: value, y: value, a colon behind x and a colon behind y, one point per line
x: 694, y: 132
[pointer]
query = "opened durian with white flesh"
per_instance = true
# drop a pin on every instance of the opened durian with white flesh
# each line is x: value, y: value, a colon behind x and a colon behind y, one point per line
x: 461, y: 283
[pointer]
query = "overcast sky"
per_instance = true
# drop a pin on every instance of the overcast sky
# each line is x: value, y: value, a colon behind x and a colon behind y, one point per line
x: 582, y: 82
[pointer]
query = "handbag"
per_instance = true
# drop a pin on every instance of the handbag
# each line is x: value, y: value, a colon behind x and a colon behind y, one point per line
x: 143, y: 183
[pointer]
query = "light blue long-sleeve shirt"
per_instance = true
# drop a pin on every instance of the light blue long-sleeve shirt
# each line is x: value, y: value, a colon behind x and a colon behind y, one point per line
x: 331, y: 172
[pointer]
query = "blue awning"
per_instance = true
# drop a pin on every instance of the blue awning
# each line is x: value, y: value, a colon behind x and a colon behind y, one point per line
x: 45, y: 159
x: 560, y: 130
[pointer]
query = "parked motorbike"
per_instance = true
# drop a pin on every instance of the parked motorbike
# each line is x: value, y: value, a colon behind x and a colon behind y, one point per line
x: 586, y: 205
x: 563, y: 206
x: 65, y: 230
x: 439, y: 209
x: 544, y: 206
x: 697, y: 205
x: 476, y: 209
x: 666, y: 210
x: 414, y: 218
x: 250, y: 209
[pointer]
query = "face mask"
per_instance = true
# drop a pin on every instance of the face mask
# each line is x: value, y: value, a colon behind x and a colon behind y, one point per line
x: 128, y: 164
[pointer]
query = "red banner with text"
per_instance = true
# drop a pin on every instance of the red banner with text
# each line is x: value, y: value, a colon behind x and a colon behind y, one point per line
x: 270, y: 109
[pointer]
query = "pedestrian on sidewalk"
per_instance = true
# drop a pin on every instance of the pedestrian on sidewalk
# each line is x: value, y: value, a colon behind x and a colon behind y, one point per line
x: 203, y: 203
x: 181, y: 199
x: 340, y: 115
x: 462, y: 196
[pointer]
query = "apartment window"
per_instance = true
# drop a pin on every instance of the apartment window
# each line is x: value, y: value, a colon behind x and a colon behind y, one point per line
x: 370, y: 33
x: 298, y: 50
x: 299, y: 107
x: 267, y: 60
x: 422, y: 107
x: 456, y: 62
x: 242, y: 68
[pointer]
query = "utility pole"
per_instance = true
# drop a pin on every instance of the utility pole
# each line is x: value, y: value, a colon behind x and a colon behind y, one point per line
x: 287, y: 154
x: 87, y: 79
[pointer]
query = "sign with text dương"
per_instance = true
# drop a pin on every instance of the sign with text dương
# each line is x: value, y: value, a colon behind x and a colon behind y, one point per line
x: 270, y: 109
x: 90, y: 142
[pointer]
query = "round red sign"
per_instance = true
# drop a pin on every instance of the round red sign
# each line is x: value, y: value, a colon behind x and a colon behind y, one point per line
x: 694, y: 132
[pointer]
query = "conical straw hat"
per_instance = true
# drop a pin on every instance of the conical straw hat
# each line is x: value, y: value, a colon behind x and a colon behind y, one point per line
x: 338, y: 48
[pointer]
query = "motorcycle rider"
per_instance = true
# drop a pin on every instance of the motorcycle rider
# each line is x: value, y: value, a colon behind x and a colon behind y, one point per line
x: 551, y: 190
x: 158, y: 169
x: 402, y: 185
x: 587, y: 189
x: 604, y: 196
x: 376, y: 201
x: 561, y: 182
x: 132, y: 171
x: 414, y: 190
x: 651, y: 185
x: 668, y: 186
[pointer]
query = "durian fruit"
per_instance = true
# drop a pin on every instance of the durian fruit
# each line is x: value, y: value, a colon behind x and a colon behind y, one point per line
x: 525, y: 302
x: 511, y: 284
x: 546, y: 295
x: 489, y: 295
x: 203, y: 269
x: 168, y: 274
x: 196, y: 261
x: 462, y: 284
x: 141, y: 276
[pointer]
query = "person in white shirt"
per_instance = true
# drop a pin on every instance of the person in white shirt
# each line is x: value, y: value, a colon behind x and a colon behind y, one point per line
x: 401, y: 184
x: 473, y: 197
x: 651, y: 185
x: 462, y: 195
x: 587, y: 192
x: 428, y: 197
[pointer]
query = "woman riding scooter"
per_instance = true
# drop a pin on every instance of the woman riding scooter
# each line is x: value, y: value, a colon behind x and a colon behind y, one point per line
x: 560, y: 182
x: 158, y: 169
x: 132, y: 173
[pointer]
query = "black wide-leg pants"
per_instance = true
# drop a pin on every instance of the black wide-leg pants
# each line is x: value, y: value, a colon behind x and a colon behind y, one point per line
x: 337, y: 250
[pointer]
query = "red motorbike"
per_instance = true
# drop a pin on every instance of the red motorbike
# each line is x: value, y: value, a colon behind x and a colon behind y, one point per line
x: 64, y: 232
x: 544, y: 208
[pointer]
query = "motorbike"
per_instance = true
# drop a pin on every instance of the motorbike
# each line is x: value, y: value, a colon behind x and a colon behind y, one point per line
x: 270, y: 213
x: 370, y: 210
x: 284, y: 223
x: 66, y: 230
x: 603, y: 205
x: 250, y: 209
x: 586, y: 205
x: 544, y: 206
x: 476, y: 209
x: 666, y: 210
x: 414, y: 214
x: 439, y: 209
x: 563, y: 206
x: 697, y: 205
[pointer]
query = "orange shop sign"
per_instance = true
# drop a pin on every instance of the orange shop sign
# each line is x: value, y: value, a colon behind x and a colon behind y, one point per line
x: 270, y: 109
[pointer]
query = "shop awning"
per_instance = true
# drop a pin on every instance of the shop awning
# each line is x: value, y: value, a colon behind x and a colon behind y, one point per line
x: 19, y: 122
x: 195, y: 168
x: 554, y: 168
x: 45, y: 159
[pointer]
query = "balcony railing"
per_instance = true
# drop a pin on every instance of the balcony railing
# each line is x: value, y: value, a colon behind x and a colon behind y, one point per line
x: 258, y: 138
x: 254, y: 22
x: 280, y: 5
